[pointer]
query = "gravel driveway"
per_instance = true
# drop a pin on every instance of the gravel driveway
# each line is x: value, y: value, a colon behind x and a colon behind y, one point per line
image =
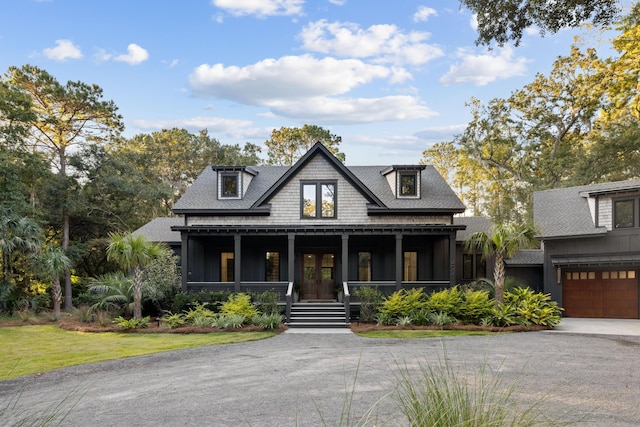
x: 303, y: 380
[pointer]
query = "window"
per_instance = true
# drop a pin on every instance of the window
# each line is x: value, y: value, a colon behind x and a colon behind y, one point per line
x: 623, y: 214
x: 473, y: 266
x: 408, y: 184
x: 410, y: 267
x: 318, y: 200
x: 230, y: 185
x: 364, y: 266
x: 273, y: 267
x: 226, y: 267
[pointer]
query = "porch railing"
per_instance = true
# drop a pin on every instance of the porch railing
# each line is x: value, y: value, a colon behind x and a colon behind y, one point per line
x: 253, y: 287
x: 347, y: 302
x: 289, y: 302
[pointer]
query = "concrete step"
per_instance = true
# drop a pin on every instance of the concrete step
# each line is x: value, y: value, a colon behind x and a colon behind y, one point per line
x: 317, y: 315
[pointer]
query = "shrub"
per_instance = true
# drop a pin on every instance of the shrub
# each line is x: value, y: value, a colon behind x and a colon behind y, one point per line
x: 384, y: 319
x: 172, y: 321
x: 441, y: 319
x: 85, y: 314
x: 127, y: 324
x: 204, y: 321
x: 446, y: 301
x: 505, y: 314
x: 403, y: 321
x: 161, y: 281
x: 267, y: 302
x: 235, y: 320
x: 421, y: 317
x: 198, y: 311
x: 267, y: 321
x: 239, y: 303
x: 370, y: 299
x: 475, y: 306
x: 534, y: 307
x: 404, y: 302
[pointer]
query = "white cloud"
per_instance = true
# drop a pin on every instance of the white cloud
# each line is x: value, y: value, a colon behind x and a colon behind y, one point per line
x: 135, y: 55
x: 216, y: 125
x: 480, y: 70
x: 354, y: 110
x: 102, y: 55
x: 338, y: 2
x: 473, y: 22
x: 289, y: 77
x: 65, y: 49
x: 423, y: 13
x: 382, y: 43
x: 440, y: 133
x: 260, y: 8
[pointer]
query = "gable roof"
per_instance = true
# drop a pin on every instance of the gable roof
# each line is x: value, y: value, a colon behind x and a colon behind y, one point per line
x: 319, y: 149
x: 473, y: 224
x: 201, y: 197
x: 564, y: 212
x: 159, y: 230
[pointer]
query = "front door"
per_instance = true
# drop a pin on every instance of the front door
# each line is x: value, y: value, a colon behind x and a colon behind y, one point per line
x: 318, y: 275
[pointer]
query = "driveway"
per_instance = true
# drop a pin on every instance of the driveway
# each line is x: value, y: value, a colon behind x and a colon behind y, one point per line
x: 304, y: 379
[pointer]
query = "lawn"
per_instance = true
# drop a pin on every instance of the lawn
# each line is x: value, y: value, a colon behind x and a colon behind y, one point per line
x: 33, y: 349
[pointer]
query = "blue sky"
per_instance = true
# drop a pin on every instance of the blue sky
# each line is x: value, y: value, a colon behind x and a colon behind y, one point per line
x: 390, y: 77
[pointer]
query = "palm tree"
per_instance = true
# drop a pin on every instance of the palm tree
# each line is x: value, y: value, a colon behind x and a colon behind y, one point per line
x: 503, y: 242
x: 17, y: 235
x: 116, y: 292
x: 133, y: 253
x: 53, y: 264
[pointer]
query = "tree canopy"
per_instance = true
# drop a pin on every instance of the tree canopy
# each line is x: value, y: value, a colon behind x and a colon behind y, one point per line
x: 502, y: 21
x: 287, y: 145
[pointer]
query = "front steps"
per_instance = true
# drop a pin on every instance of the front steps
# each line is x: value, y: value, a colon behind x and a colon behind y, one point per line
x: 318, y: 315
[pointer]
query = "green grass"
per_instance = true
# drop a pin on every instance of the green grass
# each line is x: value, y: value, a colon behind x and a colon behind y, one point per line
x: 32, y: 349
x: 421, y: 333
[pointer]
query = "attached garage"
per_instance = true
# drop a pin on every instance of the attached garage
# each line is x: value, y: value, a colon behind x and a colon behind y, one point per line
x: 600, y: 294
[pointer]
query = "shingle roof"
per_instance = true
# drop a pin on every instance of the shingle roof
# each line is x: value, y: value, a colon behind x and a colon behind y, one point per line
x: 159, y: 230
x: 564, y: 212
x: 474, y: 224
x: 436, y: 193
x: 526, y: 257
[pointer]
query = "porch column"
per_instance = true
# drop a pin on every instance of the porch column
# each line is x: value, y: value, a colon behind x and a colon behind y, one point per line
x: 184, y: 259
x: 452, y: 258
x: 237, y: 261
x: 345, y: 258
x: 291, y: 257
x: 399, y: 264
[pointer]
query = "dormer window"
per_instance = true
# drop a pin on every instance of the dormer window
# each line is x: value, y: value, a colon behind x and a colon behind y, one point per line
x: 408, y: 184
x: 233, y: 181
x: 404, y: 180
x: 230, y: 185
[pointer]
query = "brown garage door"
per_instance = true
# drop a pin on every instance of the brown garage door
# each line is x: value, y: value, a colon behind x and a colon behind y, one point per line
x: 609, y: 294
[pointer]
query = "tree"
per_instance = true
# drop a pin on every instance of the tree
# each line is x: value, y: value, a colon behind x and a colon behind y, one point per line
x: 63, y: 117
x: 503, y: 242
x: 133, y: 253
x: 52, y: 264
x: 287, y: 145
x: 18, y: 235
x: 506, y: 20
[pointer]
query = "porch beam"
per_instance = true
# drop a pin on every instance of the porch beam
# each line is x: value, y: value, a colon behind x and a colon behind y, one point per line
x: 184, y: 260
x: 452, y: 258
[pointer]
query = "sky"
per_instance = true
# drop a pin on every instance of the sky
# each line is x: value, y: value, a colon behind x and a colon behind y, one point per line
x: 390, y: 77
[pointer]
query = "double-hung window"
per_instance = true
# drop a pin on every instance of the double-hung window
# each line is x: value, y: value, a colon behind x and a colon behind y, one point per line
x: 318, y: 200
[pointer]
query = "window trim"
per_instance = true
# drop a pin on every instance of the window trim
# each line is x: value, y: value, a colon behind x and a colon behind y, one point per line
x: 318, y: 197
x: 616, y: 209
x: 238, y: 178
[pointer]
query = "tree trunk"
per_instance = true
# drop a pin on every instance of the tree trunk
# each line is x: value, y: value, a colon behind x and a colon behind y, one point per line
x: 68, y: 297
x: 498, y: 277
x: 137, y: 293
x: 57, y: 298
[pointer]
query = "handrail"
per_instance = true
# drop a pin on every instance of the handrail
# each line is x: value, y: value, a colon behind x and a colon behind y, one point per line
x: 347, y: 303
x: 289, y: 298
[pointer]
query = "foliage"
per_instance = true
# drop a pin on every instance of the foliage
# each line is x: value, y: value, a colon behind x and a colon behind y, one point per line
x: 475, y: 306
x: 115, y: 291
x: 446, y: 301
x: 52, y: 263
x: 133, y: 323
x: 534, y: 307
x: 84, y: 313
x: 404, y: 321
x: 267, y: 321
x: 287, y: 145
x: 505, y: 21
x: 239, y: 303
x: 198, y: 311
x: 444, y: 395
x: 161, y: 280
x: 171, y: 320
x: 370, y: 298
x: 441, y: 319
x: 421, y: 317
x: 134, y: 253
x: 267, y: 302
x: 383, y: 318
x: 404, y: 302
x: 504, y: 314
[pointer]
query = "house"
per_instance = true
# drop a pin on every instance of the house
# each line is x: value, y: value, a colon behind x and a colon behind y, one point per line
x: 591, y: 241
x: 320, y: 225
